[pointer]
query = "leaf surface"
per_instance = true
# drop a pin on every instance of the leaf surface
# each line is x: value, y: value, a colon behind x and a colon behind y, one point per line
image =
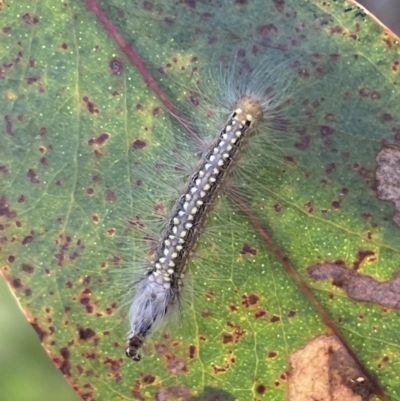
x: 76, y: 113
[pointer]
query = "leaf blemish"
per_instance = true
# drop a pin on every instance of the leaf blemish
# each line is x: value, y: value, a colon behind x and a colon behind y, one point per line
x: 139, y: 144
x: 247, y: 249
x: 250, y: 300
x: 33, y: 177
x: 90, y: 105
x: 100, y: 140
x: 30, y: 19
x: 116, y: 66
x: 362, y: 288
x: 275, y: 319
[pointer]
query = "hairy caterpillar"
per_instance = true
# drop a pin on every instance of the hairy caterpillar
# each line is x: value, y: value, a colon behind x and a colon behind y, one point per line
x: 253, y: 102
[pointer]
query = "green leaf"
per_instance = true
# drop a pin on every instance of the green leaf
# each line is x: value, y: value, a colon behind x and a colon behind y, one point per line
x: 308, y: 257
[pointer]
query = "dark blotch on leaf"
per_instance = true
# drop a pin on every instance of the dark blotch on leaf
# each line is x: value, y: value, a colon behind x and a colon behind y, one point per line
x: 279, y: 5
x: 100, y: 140
x: 30, y: 19
x: 86, y: 334
x: 149, y: 379
x: 324, y: 130
x: 139, y: 144
x: 260, y: 313
x: 66, y: 365
x: 191, y: 3
x: 275, y: 319
x: 27, y: 239
x: 16, y: 283
x: 227, y: 338
x: 265, y: 30
x: 5, y: 209
x: 250, y: 300
x: 9, y: 125
x: 110, y: 196
x: 192, y: 351
x: 147, y: 5
x: 40, y: 332
x: 261, y: 388
x: 330, y: 168
x: 116, y: 66
x: 27, y: 268
x: 31, y: 80
x: 248, y: 250
x: 34, y: 179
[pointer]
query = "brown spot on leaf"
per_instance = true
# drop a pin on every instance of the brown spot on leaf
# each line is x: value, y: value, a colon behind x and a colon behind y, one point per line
x: 65, y: 364
x: 27, y: 268
x: 260, y: 314
x: 147, y: 5
x: 116, y: 66
x: 99, y: 140
x: 176, y: 365
x: 33, y: 79
x: 248, y: 250
x: 192, y: 351
x: 303, y: 142
x: 30, y: 19
x: 330, y: 168
x: 274, y: 319
x: 324, y: 367
x: 387, y: 117
x: 138, y: 144
x: 250, y: 300
x: 227, y: 338
x: 173, y: 392
x: 90, y: 105
x: 279, y: 5
x: 5, y: 209
x: 359, y: 287
x: 261, y: 388
x: 39, y: 331
x: 362, y: 255
x: 9, y: 125
x: 86, y: 334
x: 34, y: 179
x: 28, y: 239
x: 110, y: 196
x: 388, y: 177
x: 325, y: 131
x: 265, y: 30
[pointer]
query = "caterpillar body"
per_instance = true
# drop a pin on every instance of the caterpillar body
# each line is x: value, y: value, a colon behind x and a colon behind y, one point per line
x: 159, y: 289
